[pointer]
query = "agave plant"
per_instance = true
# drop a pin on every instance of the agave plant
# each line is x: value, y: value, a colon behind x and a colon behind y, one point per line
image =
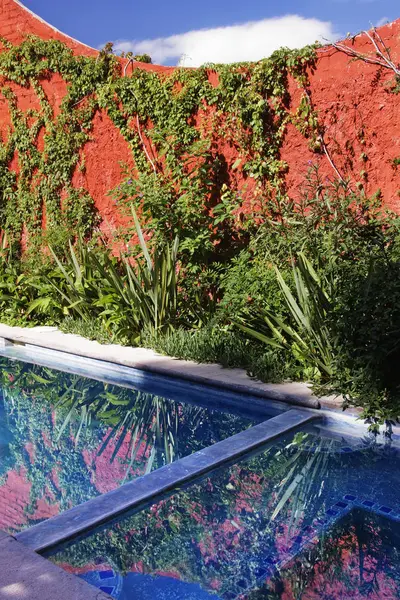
x: 129, y: 299
x: 307, y: 335
x: 77, y: 281
x: 147, y: 293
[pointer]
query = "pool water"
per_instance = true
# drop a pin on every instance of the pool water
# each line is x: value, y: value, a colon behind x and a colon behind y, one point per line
x: 359, y: 557
x: 312, y: 511
x: 65, y: 438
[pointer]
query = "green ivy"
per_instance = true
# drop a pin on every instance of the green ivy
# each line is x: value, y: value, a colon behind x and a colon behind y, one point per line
x: 174, y: 124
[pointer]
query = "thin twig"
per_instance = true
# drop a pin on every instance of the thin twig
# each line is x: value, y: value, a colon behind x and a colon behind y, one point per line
x: 143, y: 144
x: 79, y: 102
x: 328, y: 156
x: 321, y: 140
x: 130, y: 61
x: 141, y: 136
x: 387, y: 50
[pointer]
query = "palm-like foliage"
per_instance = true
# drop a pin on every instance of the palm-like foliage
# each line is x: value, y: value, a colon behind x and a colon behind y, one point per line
x: 136, y: 420
x: 307, y: 335
x: 21, y: 292
x: 145, y: 295
x: 77, y: 281
x: 128, y: 299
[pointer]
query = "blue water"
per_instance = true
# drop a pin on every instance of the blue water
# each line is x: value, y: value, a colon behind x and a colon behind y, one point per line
x: 316, y: 515
x: 65, y: 438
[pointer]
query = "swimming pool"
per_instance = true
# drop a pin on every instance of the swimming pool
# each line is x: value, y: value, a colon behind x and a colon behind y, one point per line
x: 148, y: 486
x: 65, y: 438
x: 315, y: 515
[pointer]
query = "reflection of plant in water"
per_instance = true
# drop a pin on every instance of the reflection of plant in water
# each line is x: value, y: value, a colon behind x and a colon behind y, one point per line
x: 168, y: 430
x: 358, y: 558
x: 221, y: 527
x: 302, y: 487
x: 62, y: 423
x: 225, y: 529
x: 150, y: 424
x: 33, y: 447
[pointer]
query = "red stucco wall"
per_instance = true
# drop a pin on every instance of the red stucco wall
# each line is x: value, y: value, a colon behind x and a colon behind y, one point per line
x: 346, y: 94
x: 349, y: 99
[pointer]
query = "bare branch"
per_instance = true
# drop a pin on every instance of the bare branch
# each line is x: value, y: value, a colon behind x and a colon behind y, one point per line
x: 143, y: 144
x: 383, y: 57
x: 386, y: 58
x: 130, y: 61
x: 328, y: 156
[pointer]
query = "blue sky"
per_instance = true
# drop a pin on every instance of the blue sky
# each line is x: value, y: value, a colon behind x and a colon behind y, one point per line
x: 149, y: 25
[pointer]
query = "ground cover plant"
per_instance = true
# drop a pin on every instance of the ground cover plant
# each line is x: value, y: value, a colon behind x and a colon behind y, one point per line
x: 213, y: 269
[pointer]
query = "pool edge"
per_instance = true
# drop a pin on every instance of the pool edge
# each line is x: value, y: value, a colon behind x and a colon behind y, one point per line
x: 144, y: 359
x: 147, y: 489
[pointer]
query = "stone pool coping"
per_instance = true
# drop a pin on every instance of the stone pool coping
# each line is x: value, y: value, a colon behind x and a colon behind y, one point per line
x: 144, y: 359
x: 25, y: 575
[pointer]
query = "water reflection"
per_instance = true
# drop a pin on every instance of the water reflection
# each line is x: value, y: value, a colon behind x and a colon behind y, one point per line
x: 359, y: 558
x: 230, y: 534
x: 66, y: 438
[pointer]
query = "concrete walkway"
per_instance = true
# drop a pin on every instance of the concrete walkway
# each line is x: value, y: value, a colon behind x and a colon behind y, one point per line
x: 24, y: 575
x: 147, y: 360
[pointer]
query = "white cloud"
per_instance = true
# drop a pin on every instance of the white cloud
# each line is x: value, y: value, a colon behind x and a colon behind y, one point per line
x: 382, y: 21
x: 245, y: 42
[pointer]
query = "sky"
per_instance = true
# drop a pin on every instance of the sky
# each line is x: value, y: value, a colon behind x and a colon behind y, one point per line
x: 192, y: 33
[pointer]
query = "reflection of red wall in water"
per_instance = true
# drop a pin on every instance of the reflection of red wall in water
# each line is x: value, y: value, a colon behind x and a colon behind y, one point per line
x: 350, y: 102
x: 344, y: 583
x: 15, y: 499
x: 105, y: 475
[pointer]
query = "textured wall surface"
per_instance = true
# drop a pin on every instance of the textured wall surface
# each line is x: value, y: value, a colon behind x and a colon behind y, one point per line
x: 360, y: 115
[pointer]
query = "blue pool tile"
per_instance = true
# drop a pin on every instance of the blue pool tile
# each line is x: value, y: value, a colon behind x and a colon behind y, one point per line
x: 341, y: 504
x: 350, y: 497
x: 368, y: 503
x: 331, y: 512
x: 107, y: 590
x: 106, y: 574
x: 385, y: 509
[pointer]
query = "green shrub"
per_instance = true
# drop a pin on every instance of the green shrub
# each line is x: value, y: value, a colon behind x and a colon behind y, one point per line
x: 366, y: 322
x: 126, y: 299
x: 307, y: 335
x: 216, y: 344
x: 337, y: 316
x: 24, y: 290
x: 249, y: 282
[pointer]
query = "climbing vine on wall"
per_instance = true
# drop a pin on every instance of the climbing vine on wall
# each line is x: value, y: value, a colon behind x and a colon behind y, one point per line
x: 177, y: 126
